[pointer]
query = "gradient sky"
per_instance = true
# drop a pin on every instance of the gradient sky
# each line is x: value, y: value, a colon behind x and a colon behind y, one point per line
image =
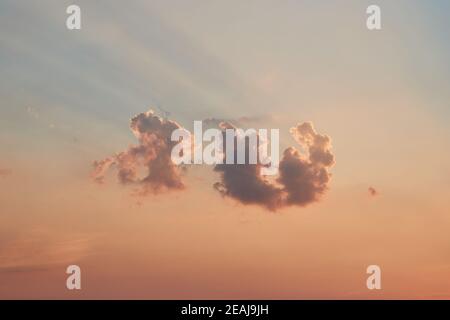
x: 67, y: 98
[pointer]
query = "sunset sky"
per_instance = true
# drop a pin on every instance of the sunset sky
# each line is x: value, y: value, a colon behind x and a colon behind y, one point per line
x: 382, y: 97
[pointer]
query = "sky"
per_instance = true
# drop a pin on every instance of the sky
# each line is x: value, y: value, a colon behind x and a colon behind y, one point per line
x: 381, y: 97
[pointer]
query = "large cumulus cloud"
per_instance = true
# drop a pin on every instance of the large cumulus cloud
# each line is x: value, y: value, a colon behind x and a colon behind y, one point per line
x: 303, y: 176
x: 152, y: 155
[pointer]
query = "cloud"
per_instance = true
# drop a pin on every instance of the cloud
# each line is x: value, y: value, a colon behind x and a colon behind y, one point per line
x: 318, y: 145
x: 246, y: 184
x: 372, y: 191
x: 303, y: 175
x: 239, y: 122
x: 152, y: 155
x: 42, y: 249
x: 303, y: 178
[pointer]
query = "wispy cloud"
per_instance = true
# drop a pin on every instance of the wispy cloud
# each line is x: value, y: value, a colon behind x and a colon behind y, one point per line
x: 243, y: 121
x: 41, y: 249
